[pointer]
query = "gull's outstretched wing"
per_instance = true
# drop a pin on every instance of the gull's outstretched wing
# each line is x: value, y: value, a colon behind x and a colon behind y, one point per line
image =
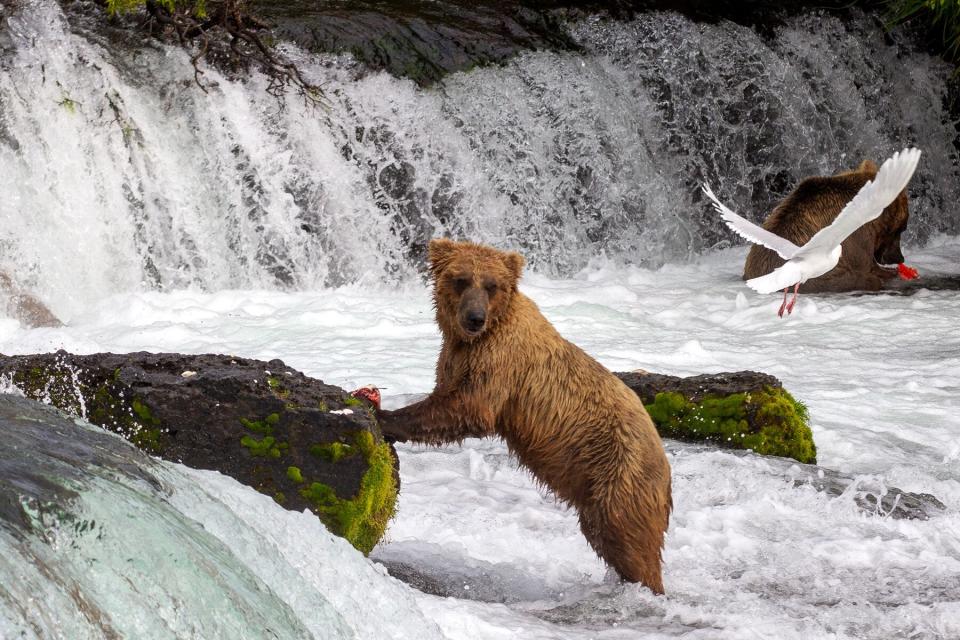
x: 757, y: 235
x: 870, y: 201
x: 780, y: 278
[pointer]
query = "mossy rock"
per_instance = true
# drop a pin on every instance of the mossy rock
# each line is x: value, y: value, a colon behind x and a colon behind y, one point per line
x: 768, y: 421
x: 743, y: 410
x: 262, y: 423
x: 364, y: 518
x: 101, y: 400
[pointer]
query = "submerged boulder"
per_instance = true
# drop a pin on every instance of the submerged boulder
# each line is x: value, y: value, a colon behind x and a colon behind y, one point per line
x: 741, y: 410
x: 305, y: 443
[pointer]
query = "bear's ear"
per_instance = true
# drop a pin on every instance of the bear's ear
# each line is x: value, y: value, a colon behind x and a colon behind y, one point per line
x: 440, y: 252
x: 868, y: 166
x: 514, y: 262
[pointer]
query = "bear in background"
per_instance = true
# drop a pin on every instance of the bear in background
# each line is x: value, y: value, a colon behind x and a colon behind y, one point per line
x: 504, y: 370
x: 812, y: 206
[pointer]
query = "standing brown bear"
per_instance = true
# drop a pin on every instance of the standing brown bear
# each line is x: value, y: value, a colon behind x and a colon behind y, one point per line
x: 504, y: 370
x: 812, y: 206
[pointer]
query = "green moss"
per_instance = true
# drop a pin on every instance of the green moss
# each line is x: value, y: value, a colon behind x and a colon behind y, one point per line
x: 267, y: 446
x: 333, y: 451
x: 68, y: 103
x: 294, y: 474
x: 323, y: 406
x: 146, y: 439
x: 279, y: 498
x: 769, y: 422
x: 264, y: 426
x: 142, y: 412
x: 783, y: 422
x: 51, y: 385
x: 135, y: 421
x: 351, y: 401
x: 940, y: 17
x: 321, y: 495
x: 104, y: 405
x: 277, y: 386
x: 197, y: 8
x: 363, y: 519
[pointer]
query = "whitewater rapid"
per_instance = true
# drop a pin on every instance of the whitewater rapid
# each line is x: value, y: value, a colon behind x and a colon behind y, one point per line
x: 750, y: 552
x: 120, y: 174
x: 152, y: 215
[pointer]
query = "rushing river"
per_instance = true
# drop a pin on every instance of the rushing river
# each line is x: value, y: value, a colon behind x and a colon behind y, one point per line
x: 152, y: 215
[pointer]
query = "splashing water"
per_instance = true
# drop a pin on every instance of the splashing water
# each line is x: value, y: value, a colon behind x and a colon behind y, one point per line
x: 757, y: 545
x: 120, y: 174
x: 156, y: 216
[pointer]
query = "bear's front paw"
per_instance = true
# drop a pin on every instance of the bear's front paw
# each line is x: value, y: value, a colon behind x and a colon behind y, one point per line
x: 391, y: 428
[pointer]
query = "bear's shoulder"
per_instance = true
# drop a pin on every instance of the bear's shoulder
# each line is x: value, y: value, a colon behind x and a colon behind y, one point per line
x: 814, y: 188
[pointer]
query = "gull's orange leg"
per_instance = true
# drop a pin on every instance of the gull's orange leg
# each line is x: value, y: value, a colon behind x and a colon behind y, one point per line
x: 793, y: 301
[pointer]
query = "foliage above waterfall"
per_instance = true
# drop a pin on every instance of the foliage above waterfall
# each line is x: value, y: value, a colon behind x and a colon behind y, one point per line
x: 942, y: 15
x: 224, y: 32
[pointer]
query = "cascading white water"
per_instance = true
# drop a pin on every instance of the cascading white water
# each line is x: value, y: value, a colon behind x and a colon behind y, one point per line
x: 98, y: 540
x: 119, y: 173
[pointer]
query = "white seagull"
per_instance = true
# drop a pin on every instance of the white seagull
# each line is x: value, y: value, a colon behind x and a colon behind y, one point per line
x: 822, y: 252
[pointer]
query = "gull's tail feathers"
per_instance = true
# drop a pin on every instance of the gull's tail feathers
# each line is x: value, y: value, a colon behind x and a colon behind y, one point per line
x: 780, y: 278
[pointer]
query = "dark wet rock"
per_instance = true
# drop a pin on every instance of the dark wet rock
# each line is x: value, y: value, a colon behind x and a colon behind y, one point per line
x: 419, y: 39
x: 24, y: 306
x: 477, y: 580
x: 870, y: 493
x: 397, y: 179
x: 927, y: 281
x: 305, y: 443
x: 427, y: 39
x: 647, y: 385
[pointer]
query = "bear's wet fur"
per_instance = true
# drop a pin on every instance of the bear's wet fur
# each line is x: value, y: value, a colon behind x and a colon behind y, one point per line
x: 504, y: 370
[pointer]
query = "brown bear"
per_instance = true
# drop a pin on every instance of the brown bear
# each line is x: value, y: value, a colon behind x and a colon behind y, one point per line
x: 504, y: 370
x: 812, y: 206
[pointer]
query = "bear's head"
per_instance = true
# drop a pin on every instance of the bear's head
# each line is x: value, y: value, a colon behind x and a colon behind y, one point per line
x: 473, y: 286
x: 890, y: 225
x: 888, y: 229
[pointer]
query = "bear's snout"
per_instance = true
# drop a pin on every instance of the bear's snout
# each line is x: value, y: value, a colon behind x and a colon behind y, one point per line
x: 473, y: 312
x: 890, y: 255
x: 475, y: 320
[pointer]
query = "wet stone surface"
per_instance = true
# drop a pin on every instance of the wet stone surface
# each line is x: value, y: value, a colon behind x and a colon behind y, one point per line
x: 304, y: 443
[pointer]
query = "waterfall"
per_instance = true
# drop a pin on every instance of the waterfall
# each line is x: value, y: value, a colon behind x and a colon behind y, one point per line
x: 119, y: 173
x: 98, y: 540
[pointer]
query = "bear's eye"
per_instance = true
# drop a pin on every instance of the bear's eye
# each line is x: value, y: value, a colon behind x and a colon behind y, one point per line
x: 491, y: 288
x: 460, y: 284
